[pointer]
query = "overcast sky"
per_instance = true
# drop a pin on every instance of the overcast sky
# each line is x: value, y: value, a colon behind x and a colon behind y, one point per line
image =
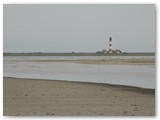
x: 79, y: 28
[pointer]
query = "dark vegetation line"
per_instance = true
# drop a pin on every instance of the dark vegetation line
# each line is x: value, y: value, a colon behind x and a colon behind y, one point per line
x: 78, y: 54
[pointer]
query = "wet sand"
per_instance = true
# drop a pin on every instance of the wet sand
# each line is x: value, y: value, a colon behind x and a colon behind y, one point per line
x: 29, y: 97
x: 112, y: 61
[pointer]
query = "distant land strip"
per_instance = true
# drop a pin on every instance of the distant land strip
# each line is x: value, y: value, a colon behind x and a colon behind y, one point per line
x: 144, y: 61
x: 78, y: 54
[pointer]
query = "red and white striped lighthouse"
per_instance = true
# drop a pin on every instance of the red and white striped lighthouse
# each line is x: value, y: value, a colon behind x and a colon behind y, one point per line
x: 110, y: 45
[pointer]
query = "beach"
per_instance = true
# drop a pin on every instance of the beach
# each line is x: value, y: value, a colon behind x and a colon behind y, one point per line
x: 79, y: 86
x: 79, y: 60
x: 27, y: 97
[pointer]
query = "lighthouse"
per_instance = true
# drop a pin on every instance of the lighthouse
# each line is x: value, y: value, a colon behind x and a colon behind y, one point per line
x: 110, y: 45
x: 110, y: 50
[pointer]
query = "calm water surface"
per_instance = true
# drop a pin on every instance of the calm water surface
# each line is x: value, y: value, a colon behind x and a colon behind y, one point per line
x: 132, y: 75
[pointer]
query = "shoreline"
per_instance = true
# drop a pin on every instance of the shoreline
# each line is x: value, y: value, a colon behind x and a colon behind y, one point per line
x: 29, y: 97
x: 82, y: 82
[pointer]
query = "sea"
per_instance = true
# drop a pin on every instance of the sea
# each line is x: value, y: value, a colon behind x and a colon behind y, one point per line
x: 42, y: 67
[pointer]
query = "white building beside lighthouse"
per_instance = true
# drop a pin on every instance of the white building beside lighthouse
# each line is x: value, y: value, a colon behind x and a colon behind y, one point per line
x: 110, y: 50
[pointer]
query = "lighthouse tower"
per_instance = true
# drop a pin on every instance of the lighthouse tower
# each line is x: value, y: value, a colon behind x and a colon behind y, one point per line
x: 110, y: 45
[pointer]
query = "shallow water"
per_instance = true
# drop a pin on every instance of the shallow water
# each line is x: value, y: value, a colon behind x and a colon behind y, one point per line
x: 132, y: 75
